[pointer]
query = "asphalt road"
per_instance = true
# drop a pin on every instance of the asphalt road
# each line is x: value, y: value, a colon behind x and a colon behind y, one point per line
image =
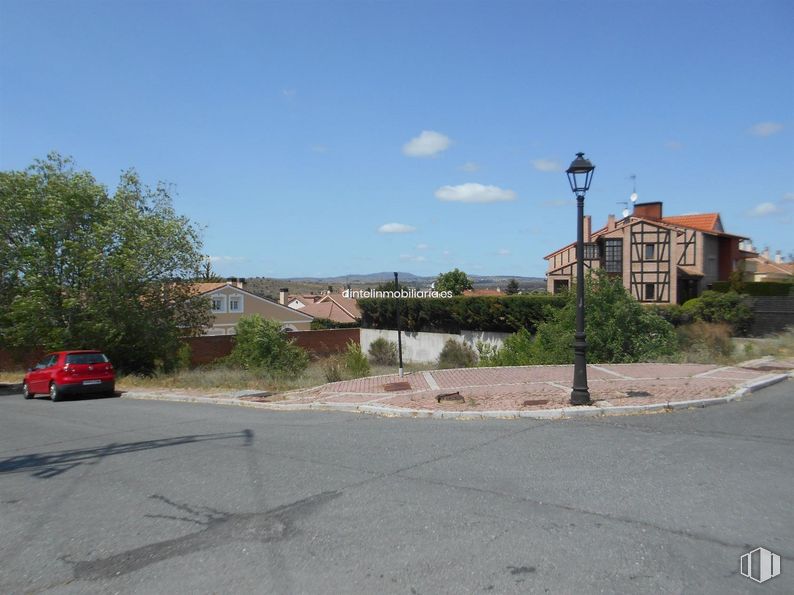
x: 117, y: 495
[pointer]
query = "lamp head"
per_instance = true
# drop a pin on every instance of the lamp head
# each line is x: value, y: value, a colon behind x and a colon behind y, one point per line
x: 580, y: 174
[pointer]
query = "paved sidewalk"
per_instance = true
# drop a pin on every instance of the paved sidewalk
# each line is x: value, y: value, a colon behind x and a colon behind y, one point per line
x: 527, y: 391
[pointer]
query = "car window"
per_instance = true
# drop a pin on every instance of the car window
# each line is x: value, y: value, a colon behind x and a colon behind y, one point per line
x: 86, y: 358
x: 46, y: 362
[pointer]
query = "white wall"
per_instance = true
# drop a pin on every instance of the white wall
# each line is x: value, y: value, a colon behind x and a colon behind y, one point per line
x: 426, y: 347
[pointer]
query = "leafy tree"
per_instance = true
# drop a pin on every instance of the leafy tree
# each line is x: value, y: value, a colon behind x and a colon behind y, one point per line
x: 512, y: 287
x: 713, y: 306
x: 83, y: 268
x: 455, y: 281
x: 619, y: 329
x: 456, y: 355
x: 261, y: 345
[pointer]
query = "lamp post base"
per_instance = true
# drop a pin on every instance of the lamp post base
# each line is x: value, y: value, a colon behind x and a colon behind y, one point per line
x: 580, y: 396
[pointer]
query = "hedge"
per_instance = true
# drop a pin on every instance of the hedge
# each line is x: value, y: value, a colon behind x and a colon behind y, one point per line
x: 451, y: 315
x: 758, y: 288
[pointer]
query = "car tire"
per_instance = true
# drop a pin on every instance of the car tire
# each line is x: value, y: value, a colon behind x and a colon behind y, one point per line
x: 55, y: 394
x: 26, y: 392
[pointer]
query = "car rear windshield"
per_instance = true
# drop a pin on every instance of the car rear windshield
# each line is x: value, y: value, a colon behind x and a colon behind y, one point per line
x: 86, y: 358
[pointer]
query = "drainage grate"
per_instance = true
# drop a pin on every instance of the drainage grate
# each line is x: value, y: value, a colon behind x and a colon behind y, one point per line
x: 395, y: 386
x: 530, y: 402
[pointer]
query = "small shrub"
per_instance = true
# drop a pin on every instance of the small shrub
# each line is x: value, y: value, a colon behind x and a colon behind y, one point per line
x: 356, y: 362
x: 713, y: 306
x: 705, y: 341
x: 383, y: 352
x: 456, y: 355
x: 261, y: 344
x: 332, y: 368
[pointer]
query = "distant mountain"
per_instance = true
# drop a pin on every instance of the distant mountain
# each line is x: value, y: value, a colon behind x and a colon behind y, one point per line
x: 372, y: 279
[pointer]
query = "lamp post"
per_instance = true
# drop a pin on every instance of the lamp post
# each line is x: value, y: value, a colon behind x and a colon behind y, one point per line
x: 399, y: 330
x: 580, y: 174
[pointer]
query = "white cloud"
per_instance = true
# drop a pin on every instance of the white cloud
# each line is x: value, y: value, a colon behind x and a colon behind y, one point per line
x: 412, y: 258
x: 396, y: 228
x: 472, y: 192
x: 546, y: 165
x: 503, y: 252
x: 764, y: 209
x: 470, y: 166
x: 766, y: 128
x: 221, y: 259
x: 788, y: 196
x: 422, y: 246
x: 673, y: 145
x: 446, y: 253
x: 427, y: 144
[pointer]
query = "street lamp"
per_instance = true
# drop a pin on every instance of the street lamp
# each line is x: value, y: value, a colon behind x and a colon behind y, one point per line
x: 580, y: 174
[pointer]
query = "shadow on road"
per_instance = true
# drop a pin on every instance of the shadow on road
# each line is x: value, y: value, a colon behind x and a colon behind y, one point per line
x: 52, y: 464
x: 10, y: 389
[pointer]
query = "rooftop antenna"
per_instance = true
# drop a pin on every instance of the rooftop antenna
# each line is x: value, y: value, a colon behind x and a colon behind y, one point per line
x: 625, y: 207
x: 633, y: 197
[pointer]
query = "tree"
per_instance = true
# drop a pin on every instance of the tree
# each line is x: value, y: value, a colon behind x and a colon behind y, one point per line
x: 618, y: 328
x: 83, y: 268
x: 512, y: 287
x: 455, y: 281
x: 261, y: 345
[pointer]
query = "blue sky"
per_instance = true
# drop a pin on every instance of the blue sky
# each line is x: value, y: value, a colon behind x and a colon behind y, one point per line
x: 296, y: 132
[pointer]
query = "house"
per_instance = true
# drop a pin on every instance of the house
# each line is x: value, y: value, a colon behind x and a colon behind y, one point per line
x: 331, y: 306
x: 661, y: 260
x: 230, y: 301
x: 760, y: 267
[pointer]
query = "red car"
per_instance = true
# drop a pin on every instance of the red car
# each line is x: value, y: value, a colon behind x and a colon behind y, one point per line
x: 70, y: 372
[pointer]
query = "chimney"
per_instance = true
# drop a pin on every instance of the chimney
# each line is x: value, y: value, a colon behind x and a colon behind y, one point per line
x: 778, y: 257
x: 648, y: 210
x: 588, y: 228
x: 240, y: 283
x: 282, y: 296
x: 611, y: 222
x: 765, y: 253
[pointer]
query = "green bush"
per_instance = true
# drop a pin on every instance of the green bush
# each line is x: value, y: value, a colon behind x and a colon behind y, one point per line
x: 261, y: 344
x: 517, y: 350
x: 451, y: 315
x: 758, y: 288
x: 705, y: 341
x: 456, y: 355
x: 319, y: 324
x: 383, y: 352
x: 673, y: 313
x: 356, y: 362
x: 713, y: 306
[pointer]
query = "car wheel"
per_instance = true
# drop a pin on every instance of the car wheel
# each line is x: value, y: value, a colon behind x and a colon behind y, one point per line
x: 55, y: 394
x: 26, y: 391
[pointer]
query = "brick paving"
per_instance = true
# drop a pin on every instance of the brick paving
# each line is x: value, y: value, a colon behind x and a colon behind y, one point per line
x: 503, y: 389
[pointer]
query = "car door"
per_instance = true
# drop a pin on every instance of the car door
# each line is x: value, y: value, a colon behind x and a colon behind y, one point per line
x: 38, y: 381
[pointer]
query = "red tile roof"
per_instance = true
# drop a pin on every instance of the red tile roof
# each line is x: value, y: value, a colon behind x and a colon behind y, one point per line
x: 207, y: 287
x: 702, y: 221
x: 329, y: 310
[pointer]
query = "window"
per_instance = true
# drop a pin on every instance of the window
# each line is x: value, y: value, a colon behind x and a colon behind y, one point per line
x: 650, y: 292
x: 219, y: 303
x: 650, y: 251
x: 236, y: 303
x: 86, y: 358
x: 560, y: 285
x: 591, y: 252
x: 613, y: 256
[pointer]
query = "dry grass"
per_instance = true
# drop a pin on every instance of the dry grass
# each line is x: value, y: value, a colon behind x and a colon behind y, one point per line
x: 780, y: 345
x: 12, y: 377
x: 226, y: 378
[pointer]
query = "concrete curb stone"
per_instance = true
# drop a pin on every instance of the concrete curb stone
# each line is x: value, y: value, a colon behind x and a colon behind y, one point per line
x: 383, y: 410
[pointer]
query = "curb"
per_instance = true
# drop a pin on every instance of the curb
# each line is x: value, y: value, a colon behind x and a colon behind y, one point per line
x: 561, y: 413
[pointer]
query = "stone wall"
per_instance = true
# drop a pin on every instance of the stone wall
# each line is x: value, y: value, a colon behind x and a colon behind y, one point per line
x: 772, y: 314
